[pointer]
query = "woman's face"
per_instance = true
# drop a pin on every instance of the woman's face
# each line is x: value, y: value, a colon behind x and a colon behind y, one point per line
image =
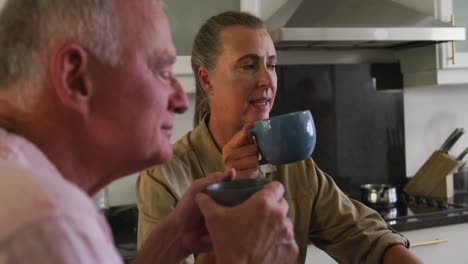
x: 243, y: 81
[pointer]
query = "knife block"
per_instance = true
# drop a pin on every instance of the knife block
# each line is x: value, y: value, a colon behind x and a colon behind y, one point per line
x: 434, y: 178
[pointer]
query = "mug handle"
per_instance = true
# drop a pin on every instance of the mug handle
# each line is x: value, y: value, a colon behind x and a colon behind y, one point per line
x: 262, y: 161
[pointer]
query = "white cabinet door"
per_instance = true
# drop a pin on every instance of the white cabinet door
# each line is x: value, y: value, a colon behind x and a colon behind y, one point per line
x: 439, y: 64
x: 454, y: 55
x: 185, y: 23
x: 186, y: 17
x: 183, y: 71
x: 426, y: 244
x: 261, y: 8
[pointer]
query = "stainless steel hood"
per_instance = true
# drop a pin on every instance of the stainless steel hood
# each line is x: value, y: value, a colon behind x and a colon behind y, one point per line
x: 355, y: 24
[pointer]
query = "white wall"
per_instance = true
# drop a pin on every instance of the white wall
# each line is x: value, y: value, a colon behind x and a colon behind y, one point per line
x: 122, y: 192
x: 431, y: 114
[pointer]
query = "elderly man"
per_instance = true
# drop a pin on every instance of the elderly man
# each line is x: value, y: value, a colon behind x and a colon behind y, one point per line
x: 87, y: 95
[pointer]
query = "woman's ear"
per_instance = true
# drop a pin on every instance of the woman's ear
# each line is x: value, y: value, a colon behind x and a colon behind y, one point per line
x: 204, y: 80
x: 70, y: 77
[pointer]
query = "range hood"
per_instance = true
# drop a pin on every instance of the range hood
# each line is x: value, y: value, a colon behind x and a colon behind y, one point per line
x: 355, y: 24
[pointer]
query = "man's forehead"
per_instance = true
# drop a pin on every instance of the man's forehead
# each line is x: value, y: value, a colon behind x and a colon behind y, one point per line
x: 143, y: 21
x: 162, y: 57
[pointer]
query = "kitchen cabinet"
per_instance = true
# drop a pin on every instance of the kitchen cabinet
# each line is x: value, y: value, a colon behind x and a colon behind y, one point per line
x: 185, y: 23
x: 261, y: 8
x: 183, y: 72
x: 431, y: 245
x: 445, y: 63
x: 454, y: 55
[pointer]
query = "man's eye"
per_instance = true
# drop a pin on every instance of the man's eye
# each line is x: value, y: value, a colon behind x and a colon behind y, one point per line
x: 272, y: 66
x: 165, y: 75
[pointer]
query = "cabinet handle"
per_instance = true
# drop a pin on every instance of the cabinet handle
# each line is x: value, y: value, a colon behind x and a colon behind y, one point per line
x: 431, y: 242
x: 452, y: 22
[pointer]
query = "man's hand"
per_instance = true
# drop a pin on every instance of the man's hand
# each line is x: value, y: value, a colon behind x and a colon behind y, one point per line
x: 189, y: 220
x: 256, y: 231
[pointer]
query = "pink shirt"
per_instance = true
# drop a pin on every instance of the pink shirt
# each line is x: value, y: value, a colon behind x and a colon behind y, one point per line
x: 43, y: 217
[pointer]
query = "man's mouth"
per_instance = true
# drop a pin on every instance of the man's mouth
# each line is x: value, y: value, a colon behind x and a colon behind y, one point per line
x: 167, y: 127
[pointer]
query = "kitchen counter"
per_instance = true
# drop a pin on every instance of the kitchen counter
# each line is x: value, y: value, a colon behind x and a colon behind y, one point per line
x: 431, y: 245
x: 124, y: 226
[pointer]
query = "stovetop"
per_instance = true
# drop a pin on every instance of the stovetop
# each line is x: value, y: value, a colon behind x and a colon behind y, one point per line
x: 413, y: 212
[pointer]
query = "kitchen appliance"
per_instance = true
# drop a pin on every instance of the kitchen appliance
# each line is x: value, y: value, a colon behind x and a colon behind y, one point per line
x: 416, y: 212
x: 355, y: 24
x: 382, y: 196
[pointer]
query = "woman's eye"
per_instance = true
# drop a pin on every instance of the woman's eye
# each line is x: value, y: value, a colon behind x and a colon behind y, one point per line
x: 248, y: 67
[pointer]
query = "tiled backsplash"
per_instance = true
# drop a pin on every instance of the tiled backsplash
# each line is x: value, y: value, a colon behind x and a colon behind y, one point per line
x: 431, y: 114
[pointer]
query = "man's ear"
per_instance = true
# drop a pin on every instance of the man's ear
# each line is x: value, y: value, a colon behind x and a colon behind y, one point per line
x: 70, y: 77
x: 204, y: 80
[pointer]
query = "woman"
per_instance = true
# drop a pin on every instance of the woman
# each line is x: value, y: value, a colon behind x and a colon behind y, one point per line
x: 234, y: 60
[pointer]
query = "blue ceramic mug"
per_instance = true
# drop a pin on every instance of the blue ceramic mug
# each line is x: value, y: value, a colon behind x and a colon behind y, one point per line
x: 285, y: 138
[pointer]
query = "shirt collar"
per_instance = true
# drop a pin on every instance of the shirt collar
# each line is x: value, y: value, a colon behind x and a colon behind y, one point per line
x: 19, y: 150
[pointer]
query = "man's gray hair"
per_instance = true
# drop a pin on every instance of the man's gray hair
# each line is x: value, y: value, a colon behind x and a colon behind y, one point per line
x: 29, y: 28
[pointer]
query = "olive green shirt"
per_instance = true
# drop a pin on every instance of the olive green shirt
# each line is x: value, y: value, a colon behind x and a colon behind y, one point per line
x: 344, y: 228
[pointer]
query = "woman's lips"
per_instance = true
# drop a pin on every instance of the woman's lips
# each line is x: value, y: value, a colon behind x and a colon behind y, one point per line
x: 260, y: 103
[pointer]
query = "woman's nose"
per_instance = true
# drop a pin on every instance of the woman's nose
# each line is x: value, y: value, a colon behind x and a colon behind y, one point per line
x: 266, y: 76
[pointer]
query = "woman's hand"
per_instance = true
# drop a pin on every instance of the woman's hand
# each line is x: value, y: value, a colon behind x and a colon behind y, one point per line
x: 241, y: 154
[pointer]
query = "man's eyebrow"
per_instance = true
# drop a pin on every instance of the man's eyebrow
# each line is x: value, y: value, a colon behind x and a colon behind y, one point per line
x: 163, y: 60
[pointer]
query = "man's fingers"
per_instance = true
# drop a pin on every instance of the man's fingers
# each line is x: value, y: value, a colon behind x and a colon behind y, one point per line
x: 284, y: 205
x: 206, y: 204
x: 201, y: 184
x: 275, y: 189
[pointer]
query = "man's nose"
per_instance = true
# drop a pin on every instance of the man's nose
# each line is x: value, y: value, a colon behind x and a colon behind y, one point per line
x: 178, y: 101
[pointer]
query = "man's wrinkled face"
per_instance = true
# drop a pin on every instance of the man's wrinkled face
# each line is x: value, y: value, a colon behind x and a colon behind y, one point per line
x: 138, y: 98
